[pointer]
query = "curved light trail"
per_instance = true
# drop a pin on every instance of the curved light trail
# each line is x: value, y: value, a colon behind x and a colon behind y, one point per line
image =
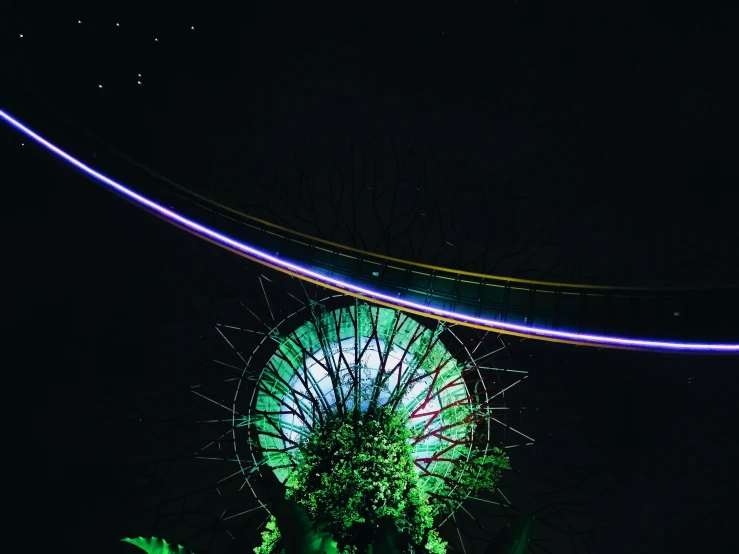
x: 346, y: 287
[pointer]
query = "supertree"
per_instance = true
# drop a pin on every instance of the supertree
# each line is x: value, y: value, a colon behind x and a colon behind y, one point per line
x: 360, y: 415
x: 363, y: 413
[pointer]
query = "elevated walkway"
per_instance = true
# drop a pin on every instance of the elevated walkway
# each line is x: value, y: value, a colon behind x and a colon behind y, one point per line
x: 680, y: 319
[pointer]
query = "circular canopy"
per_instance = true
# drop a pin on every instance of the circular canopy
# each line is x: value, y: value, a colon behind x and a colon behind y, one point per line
x: 388, y: 356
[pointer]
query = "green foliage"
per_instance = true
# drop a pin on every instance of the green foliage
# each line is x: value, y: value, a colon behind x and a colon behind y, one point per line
x: 270, y: 537
x: 434, y: 543
x: 481, y: 471
x: 303, y: 536
x: 357, y: 469
x: 156, y: 545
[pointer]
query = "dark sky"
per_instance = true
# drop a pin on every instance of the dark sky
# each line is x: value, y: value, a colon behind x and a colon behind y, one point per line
x: 626, y: 118
x: 616, y: 122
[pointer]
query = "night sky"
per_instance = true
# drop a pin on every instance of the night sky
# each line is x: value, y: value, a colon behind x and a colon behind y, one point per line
x: 622, y: 123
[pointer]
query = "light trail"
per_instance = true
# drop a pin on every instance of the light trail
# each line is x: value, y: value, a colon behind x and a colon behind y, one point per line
x: 306, y: 273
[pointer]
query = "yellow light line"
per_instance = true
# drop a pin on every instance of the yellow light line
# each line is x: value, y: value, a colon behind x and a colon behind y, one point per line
x: 482, y: 276
x: 399, y: 306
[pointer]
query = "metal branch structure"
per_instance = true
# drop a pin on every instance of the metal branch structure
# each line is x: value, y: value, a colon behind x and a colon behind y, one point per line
x: 363, y: 355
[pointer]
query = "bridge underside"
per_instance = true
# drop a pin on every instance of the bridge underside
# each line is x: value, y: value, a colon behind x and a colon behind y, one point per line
x: 544, y: 311
x: 697, y: 315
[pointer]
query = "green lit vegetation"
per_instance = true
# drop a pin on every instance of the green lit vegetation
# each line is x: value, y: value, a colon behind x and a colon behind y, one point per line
x: 357, y: 470
x: 156, y: 545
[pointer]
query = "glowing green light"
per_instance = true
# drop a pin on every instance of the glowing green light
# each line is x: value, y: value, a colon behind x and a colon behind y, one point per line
x: 314, y: 368
x: 156, y: 545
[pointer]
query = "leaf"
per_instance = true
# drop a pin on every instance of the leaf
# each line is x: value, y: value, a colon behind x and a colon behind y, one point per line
x: 299, y: 534
x: 156, y: 545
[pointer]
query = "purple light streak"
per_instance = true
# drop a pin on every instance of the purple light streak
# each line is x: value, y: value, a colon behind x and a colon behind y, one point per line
x: 594, y: 340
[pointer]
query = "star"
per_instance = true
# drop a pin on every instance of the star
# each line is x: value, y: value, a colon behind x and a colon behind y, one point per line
x: 20, y: 35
